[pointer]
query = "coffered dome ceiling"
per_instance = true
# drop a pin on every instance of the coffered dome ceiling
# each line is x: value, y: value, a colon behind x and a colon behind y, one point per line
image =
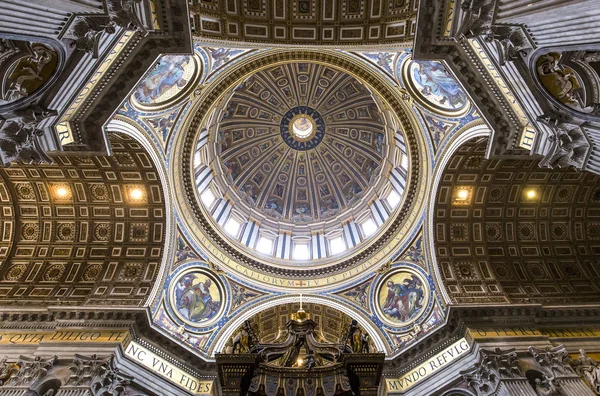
x: 302, y: 165
x: 298, y: 149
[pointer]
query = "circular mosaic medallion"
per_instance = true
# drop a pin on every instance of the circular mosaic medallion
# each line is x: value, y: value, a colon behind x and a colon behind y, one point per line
x: 302, y: 128
x: 196, y: 297
x: 402, y: 297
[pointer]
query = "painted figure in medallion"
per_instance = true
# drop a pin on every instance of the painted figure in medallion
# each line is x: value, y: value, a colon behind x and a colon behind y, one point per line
x: 402, y: 297
x: 171, y: 73
x: 197, y: 298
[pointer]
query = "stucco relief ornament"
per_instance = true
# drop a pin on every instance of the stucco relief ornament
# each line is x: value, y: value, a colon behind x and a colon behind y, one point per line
x: 511, y: 42
x: 88, y: 30
x: 589, y: 369
x: 590, y: 57
x: 569, y: 144
x: 19, y: 136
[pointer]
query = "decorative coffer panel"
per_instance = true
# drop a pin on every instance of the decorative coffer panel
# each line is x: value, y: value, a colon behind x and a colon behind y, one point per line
x: 510, y: 231
x: 84, y: 230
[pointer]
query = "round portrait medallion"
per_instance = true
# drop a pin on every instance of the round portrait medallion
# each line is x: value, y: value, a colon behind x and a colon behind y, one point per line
x: 402, y: 297
x: 196, y: 297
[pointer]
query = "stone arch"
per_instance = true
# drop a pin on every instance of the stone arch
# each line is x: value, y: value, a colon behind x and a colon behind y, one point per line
x: 477, y: 131
x: 125, y: 126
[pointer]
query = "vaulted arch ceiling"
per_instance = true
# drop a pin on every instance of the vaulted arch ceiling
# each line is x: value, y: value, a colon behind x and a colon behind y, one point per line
x: 270, y: 324
x: 520, y: 233
x: 305, y: 22
x: 86, y: 230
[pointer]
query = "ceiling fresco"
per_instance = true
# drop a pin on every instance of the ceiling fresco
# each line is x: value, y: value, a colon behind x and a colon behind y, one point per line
x: 171, y: 75
x: 292, y: 147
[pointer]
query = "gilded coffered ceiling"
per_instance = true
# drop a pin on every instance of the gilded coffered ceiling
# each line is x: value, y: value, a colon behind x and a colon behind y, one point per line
x: 510, y: 231
x: 352, y: 109
x: 86, y: 230
x: 270, y: 323
x: 305, y: 22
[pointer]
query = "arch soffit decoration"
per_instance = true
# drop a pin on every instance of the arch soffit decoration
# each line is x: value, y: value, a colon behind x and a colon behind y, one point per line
x: 92, y: 205
x: 131, y: 128
x: 200, y: 114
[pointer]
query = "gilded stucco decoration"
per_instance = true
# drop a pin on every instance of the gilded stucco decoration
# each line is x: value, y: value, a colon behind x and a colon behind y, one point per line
x: 570, y: 79
x: 237, y: 121
x: 214, y: 201
x: 293, y: 183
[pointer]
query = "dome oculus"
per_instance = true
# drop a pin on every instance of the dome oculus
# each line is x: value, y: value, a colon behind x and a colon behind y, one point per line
x: 302, y: 128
